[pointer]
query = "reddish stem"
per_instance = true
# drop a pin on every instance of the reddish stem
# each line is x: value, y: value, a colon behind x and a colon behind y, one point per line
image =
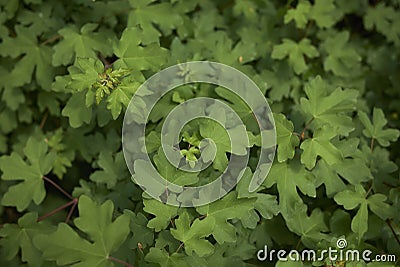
x: 57, y: 210
x: 389, y: 223
x: 71, y: 210
x: 57, y: 186
x: 119, y: 261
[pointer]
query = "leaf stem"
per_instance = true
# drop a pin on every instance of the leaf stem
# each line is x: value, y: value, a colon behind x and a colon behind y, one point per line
x: 72, y: 202
x: 44, y: 119
x: 389, y: 223
x: 372, y: 144
x: 58, y: 187
x: 305, y: 128
x: 71, y: 210
x: 119, y: 261
x: 51, y: 39
x: 369, y: 190
x: 180, y: 246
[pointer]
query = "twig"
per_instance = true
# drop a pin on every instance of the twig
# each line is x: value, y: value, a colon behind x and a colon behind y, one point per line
x: 119, y: 261
x: 372, y: 144
x: 298, y: 244
x: 369, y: 190
x: 71, y: 210
x: 180, y: 246
x: 390, y: 185
x: 57, y: 186
x: 56, y: 210
x: 389, y: 223
x: 305, y: 128
x: 52, y: 39
x: 44, y: 119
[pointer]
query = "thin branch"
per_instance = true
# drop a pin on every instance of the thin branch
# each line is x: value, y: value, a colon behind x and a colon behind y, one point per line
x: 44, y: 119
x: 52, y: 39
x: 202, y: 216
x: 71, y: 210
x: 305, y: 128
x: 56, y: 210
x: 369, y: 190
x: 390, y: 185
x: 119, y: 261
x: 58, y: 187
x: 180, y: 246
x: 298, y: 244
x: 389, y: 223
x: 372, y: 144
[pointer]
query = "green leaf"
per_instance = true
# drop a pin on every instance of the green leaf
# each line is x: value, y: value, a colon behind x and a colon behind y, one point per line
x: 295, y: 52
x: 121, y: 96
x: 147, y: 14
x: 286, y: 139
x: 375, y: 129
x: 265, y: 204
x: 104, y: 236
x: 136, y: 56
x: 81, y: 43
x: 288, y: 177
x: 228, y: 208
x: 171, y: 173
x: 15, y: 237
x: 359, y: 224
x: 193, y: 234
x: 342, y: 58
x: 311, y: 228
x: 138, y: 226
x: 15, y: 168
x: 385, y: 19
x: 300, y: 14
x: 325, y: 13
x: 64, y: 156
x: 351, y: 199
x: 163, y: 213
x: 113, y: 169
x: 328, y: 107
x: 32, y: 57
x: 163, y: 258
x: 329, y: 177
x: 320, y: 145
x: 84, y: 73
x: 77, y: 111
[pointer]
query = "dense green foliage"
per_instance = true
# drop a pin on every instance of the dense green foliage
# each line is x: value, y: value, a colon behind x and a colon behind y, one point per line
x: 329, y: 69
